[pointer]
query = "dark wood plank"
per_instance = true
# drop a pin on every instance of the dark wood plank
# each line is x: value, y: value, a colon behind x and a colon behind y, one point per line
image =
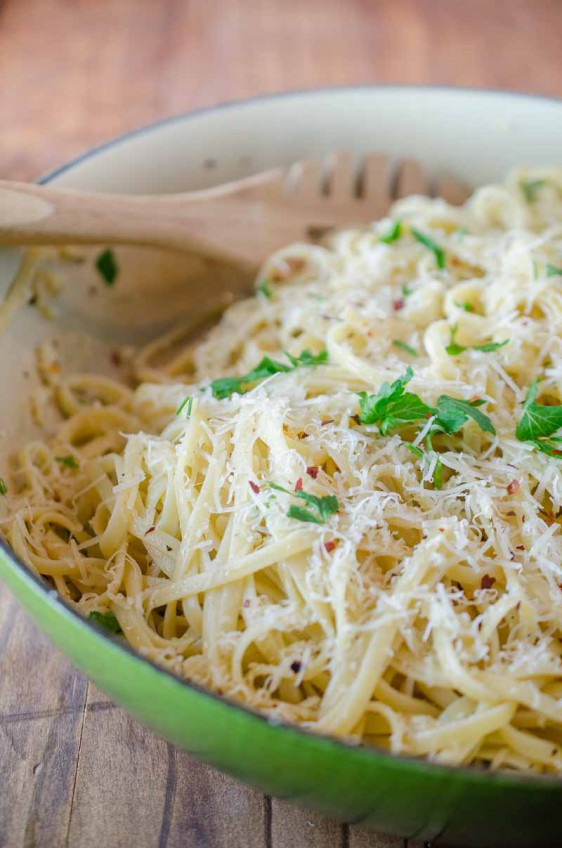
x: 133, y: 788
x: 42, y: 700
x: 360, y: 838
x: 291, y: 827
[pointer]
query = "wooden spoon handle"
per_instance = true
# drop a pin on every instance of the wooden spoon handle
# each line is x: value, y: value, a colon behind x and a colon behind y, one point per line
x: 42, y: 215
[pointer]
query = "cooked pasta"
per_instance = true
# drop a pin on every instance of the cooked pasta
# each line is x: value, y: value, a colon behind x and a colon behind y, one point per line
x: 342, y: 506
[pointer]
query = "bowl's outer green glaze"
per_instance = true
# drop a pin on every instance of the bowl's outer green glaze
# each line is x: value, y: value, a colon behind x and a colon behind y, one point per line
x: 398, y: 795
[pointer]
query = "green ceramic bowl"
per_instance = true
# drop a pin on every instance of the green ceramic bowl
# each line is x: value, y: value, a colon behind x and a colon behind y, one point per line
x: 477, y: 135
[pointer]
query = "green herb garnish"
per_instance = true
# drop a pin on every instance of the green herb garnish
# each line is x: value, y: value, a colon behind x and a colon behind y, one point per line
x: 320, y: 508
x: 454, y: 349
x: 404, y: 346
x: 67, y: 461
x: 553, y: 271
x: 438, y: 252
x: 453, y: 413
x: 226, y: 386
x: 531, y: 188
x: 468, y: 307
x: 438, y: 474
x: 107, y: 267
x: 538, y: 423
x: 393, y: 234
x: 3, y: 487
x: 307, y: 358
x: 438, y: 470
x: 393, y: 407
x: 406, y: 290
x: 186, y: 404
x: 107, y: 620
x: 264, y: 289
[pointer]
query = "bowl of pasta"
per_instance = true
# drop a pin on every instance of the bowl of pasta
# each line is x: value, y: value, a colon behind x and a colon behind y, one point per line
x: 308, y: 528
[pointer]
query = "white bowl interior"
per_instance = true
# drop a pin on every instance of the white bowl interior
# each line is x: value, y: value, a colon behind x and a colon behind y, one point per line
x: 476, y: 135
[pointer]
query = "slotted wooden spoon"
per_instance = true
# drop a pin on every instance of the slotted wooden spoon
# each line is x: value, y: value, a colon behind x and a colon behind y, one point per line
x: 241, y: 221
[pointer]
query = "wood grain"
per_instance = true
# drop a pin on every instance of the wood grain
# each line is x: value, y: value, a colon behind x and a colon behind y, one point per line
x: 73, y: 73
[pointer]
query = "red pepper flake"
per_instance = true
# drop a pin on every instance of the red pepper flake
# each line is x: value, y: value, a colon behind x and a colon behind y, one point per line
x: 296, y: 666
x: 303, y: 436
x: 298, y: 485
x: 520, y: 547
x: 454, y: 260
x: 150, y: 530
x: 487, y: 582
x: 474, y: 399
x: 312, y: 471
x: 398, y: 304
x: 556, y: 452
x: 115, y: 357
x: 254, y: 487
x: 513, y: 487
x: 329, y: 546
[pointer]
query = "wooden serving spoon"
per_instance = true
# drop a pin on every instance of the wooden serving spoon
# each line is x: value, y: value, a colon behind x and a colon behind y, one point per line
x: 242, y: 221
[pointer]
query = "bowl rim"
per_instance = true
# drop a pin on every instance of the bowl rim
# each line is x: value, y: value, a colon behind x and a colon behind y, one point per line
x: 472, y: 774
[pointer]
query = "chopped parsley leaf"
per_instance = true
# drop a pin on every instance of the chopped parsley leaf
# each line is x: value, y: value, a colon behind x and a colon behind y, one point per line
x: 531, y: 188
x: 453, y: 413
x: 404, y: 346
x: 438, y: 252
x: 225, y: 386
x: 538, y: 423
x: 468, y: 307
x: 107, y: 267
x: 393, y: 234
x: 553, y: 271
x: 454, y: 349
x: 393, y: 407
x: 320, y: 508
x: 3, y: 487
x: 67, y: 461
x: 307, y: 358
x: 107, y: 620
x: 438, y: 469
x: 438, y: 474
x: 186, y: 404
x: 406, y: 290
x: 264, y: 289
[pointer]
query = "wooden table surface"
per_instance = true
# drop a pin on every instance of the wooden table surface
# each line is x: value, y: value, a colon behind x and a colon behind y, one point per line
x: 77, y: 771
